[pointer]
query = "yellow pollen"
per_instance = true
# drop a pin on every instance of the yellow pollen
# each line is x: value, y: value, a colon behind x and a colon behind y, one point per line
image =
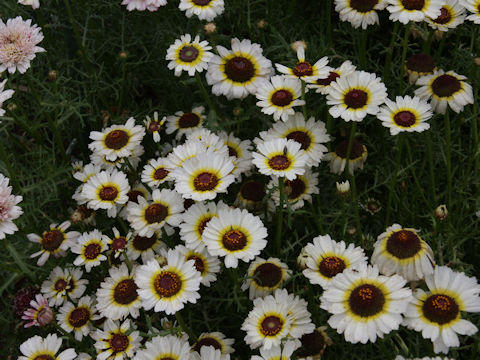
x: 365, y: 294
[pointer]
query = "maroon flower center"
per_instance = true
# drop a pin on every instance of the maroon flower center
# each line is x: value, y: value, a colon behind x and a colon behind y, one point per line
x: 444, y: 18
x: 201, y: 2
x: 119, y: 243
x: 143, y: 243
x: 116, y: 139
x: 232, y: 151
x: 234, y: 240
x: 295, y: 188
x: 188, y: 120
x: 253, y: 191
x: 156, y: 213
x: 312, y: 344
x: 154, y: 126
x: 355, y: 152
x: 52, y: 239
x: 271, y: 325
x: 199, y: 265
x: 331, y: 266
x: 125, y: 292
x: 92, y: 251
x: 79, y: 317
x: 355, y: 99
x: 188, y: 53
x: 167, y: 284
x: 440, y: 309
x: 446, y: 85
x: 160, y: 174
x: 207, y: 341
x: 413, y: 4
x: 279, y: 162
x: 328, y: 80
x: 301, y: 137
x: 119, y: 343
x: 239, y: 69
x: 282, y: 98
x: 366, y: 300
x: 363, y: 6
x: 205, y: 181
x: 108, y: 193
x: 421, y: 63
x: 267, y: 275
x: 302, y: 68
x: 134, y: 194
x: 203, y: 224
x: 403, y: 244
x: 60, y: 285
x: 405, y: 118
x: 43, y: 357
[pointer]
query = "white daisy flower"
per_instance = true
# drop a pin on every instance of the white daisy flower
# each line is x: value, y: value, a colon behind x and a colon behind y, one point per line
x: 210, y: 353
x: 116, y: 341
x: 117, y: 141
x: 181, y: 153
x: 187, y: 55
x: 424, y: 358
x: 355, y: 95
x: 37, y: 347
x: 90, y: 247
x: 235, y: 234
x: 210, y: 140
x: 327, y: 258
x: 452, y: 15
x: 4, y: 95
x: 86, y: 172
x: 185, y: 123
x: 138, y: 189
x: 473, y: 6
x: 359, y: 12
x: 250, y: 196
x: 62, y: 284
x: 169, y: 287
x: 77, y: 318
x: 240, y: 151
x: 147, y: 217
x: 204, y: 176
x: 54, y: 242
x: 9, y: 210
x: 313, y: 344
x: 164, y: 347
x: 119, y: 162
x: 278, y: 96
x: 265, y: 276
x: 437, y: 314
x: 413, y: 10
x: 208, y: 266
x: 117, y: 295
x: 155, y: 172
x: 303, y: 69
x: 401, y: 251
x: 284, y: 352
x: 338, y: 158
x: 297, y: 191
x: 405, y: 114
x: 321, y: 84
x: 216, y: 339
x: 35, y: 4
x: 365, y: 304
x: 203, y: 9
x: 297, y: 308
x: 142, y: 5
x: 146, y: 247
x: 280, y: 157
x: 237, y: 72
x: 419, y: 65
x: 445, y: 89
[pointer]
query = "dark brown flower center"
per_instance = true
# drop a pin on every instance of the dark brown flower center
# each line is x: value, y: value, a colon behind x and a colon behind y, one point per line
x: 403, y: 244
x: 355, y: 99
x: 156, y: 213
x: 405, y: 118
x: 355, y: 152
x: 239, y: 69
x: 232, y: 151
x: 295, y: 188
x: 440, y: 309
x: 125, y: 292
x: 134, y: 194
x: 302, y: 68
x: 271, y: 325
x: 52, y: 239
x: 253, y: 191
x: 279, y: 162
x: 79, y: 317
x: 207, y: 341
x: 203, y: 223
x: 234, y: 240
x: 413, y: 4
x: 312, y: 344
x: 43, y: 357
x: 154, y: 126
x: 446, y: 85
x: 444, y: 18
x: 119, y: 343
x: 143, y: 243
x: 119, y: 243
x: 267, y: 275
x: 363, y: 6
x: 167, y: 284
x: 188, y: 120
x: 201, y: 2
x: 328, y: 80
x: 199, y: 264
x: 331, y: 266
x: 421, y: 63
x: 188, y: 53
x: 92, y: 251
x: 60, y: 285
x: 366, y: 300
x: 116, y: 139
x: 301, y: 137
x: 205, y: 181
x: 108, y: 193
x: 187, y: 203
x: 282, y: 98
x: 160, y: 174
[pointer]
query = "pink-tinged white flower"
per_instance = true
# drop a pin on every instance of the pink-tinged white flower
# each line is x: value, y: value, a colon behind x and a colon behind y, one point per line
x: 45, y: 348
x: 39, y: 313
x: 18, y: 44
x: 4, y: 95
x: 142, y: 5
x: 35, y: 4
x: 9, y: 210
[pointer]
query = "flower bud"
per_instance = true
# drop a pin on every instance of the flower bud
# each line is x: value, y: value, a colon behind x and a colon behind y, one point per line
x: 45, y: 316
x: 302, y: 259
x: 210, y: 28
x: 262, y: 24
x: 298, y: 43
x: 343, y: 188
x: 53, y: 75
x: 441, y: 212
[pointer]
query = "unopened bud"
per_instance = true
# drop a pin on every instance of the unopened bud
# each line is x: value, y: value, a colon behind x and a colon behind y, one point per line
x: 343, y: 188
x: 53, y: 75
x: 123, y: 55
x: 302, y: 259
x: 477, y: 61
x: 352, y: 231
x: 262, y: 24
x: 298, y: 43
x: 210, y: 28
x: 11, y: 106
x: 441, y: 212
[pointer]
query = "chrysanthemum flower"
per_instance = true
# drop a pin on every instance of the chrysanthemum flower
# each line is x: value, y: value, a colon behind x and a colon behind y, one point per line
x: 118, y: 243
x: 210, y: 353
x: 90, y: 247
x: 277, y: 352
x: 142, y: 5
x: 365, y: 304
x: 278, y: 96
x: 185, y: 123
x: 338, y: 158
x: 313, y: 345
x: 117, y: 141
x: 251, y: 195
x: 327, y: 258
x: 473, y: 6
x: 355, y: 95
x: 45, y: 348
x: 147, y: 217
x: 235, y: 234
x: 183, y: 152
x: 4, y: 95
x: 39, y: 313
x: 437, y: 314
x: 419, y: 65
x: 321, y: 84
x: 9, y: 210
x: 413, y: 10
x: 187, y: 55
x: 239, y: 150
x: 211, y: 141
x: 164, y: 347
x: 405, y: 114
x: 116, y: 341
x: 297, y: 309
x: 237, y: 72
x: 207, y: 265
x: 452, y: 15
x: 359, y: 12
x: 265, y: 276
x: 445, y: 89
x: 77, y: 318
x: 63, y: 282
x: 18, y: 44
x: 371, y: 205
x: 54, y: 242
x: 204, y: 176
x: 146, y: 247
x: 153, y: 126
x: 297, y: 191
x: 216, y: 339
x: 167, y: 288
x: 401, y: 251
x: 117, y: 295
x: 280, y: 157
x: 155, y: 172
x: 204, y: 9
x: 424, y: 358
x: 35, y: 4
x: 303, y: 69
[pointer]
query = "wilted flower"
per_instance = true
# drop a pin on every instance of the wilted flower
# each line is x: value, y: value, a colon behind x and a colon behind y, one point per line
x: 441, y: 212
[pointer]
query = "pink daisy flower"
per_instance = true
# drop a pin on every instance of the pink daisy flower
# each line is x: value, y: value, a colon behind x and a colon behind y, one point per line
x: 8, y: 209
x: 39, y: 313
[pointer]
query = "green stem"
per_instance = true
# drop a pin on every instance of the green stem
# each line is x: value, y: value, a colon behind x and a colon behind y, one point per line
x: 349, y: 148
x: 427, y: 45
x: 278, y: 230
x: 127, y: 261
x: 393, y: 179
x: 205, y: 93
x: 414, y: 172
x: 304, y: 106
x: 329, y: 130
x: 329, y: 23
x: 388, y: 58
x: 11, y: 173
x: 404, y: 51
x: 431, y: 168
x: 18, y: 260
x: 184, y: 326
x: 353, y: 187
x: 448, y: 156
x: 362, y: 48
